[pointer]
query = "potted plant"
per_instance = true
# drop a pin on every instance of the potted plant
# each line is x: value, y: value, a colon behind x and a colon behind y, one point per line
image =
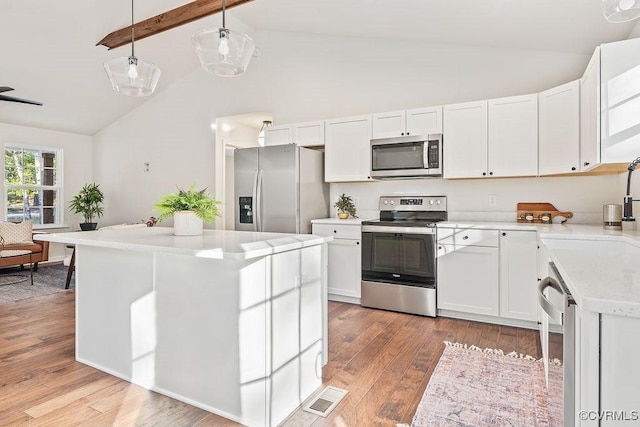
x: 345, y: 207
x: 88, y: 202
x: 189, y: 209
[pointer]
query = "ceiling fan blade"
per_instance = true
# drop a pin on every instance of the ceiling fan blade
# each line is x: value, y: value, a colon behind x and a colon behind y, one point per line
x: 20, y: 100
x: 5, y: 89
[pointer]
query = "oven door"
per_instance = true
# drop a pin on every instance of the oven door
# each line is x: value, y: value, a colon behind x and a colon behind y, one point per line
x: 399, y: 255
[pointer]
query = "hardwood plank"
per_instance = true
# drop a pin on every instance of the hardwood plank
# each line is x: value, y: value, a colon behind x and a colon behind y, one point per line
x: 383, y: 359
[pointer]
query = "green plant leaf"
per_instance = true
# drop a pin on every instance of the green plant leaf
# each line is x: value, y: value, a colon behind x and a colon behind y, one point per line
x: 201, y: 203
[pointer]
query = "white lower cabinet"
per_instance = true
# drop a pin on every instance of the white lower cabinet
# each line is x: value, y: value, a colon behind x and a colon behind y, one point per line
x: 345, y: 254
x: 518, y: 275
x: 467, y: 272
x: 488, y: 272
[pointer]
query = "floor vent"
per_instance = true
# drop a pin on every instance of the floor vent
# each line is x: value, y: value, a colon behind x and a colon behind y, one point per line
x: 324, y: 402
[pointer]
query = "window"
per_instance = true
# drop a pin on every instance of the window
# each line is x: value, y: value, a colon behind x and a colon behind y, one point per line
x: 32, y: 182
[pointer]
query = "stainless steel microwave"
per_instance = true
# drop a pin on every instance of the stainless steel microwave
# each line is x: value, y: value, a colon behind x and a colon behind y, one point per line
x: 412, y: 156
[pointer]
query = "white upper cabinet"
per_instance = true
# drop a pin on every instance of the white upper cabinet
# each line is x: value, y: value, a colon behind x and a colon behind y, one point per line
x: 465, y: 140
x: 619, y: 101
x: 347, y: 149
x: 495, y: 138
x: 559, y: 129
x: 309, y: 134
x: 424, y: 121
x: 513, y: 136
x: 590, y: 114
x: 278, y: 135
x: 388, y: 125
x: 418, y: 121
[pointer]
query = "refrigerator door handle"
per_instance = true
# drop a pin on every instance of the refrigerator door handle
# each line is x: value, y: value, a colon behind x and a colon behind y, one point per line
x: 255, y: 201
x: 258, y: 201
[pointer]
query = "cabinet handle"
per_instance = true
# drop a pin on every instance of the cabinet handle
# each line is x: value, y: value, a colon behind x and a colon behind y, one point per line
x: 465, y: 237
x: 357, y: 243
x: 484, y: 174
x: 587, y: 163
x: 407, y: 133
x: 490, y: 173
x: 440, y: 247
x: 335, y: 231
x: 573, y: 168
x: 402, y: 134
x: 504, y: 234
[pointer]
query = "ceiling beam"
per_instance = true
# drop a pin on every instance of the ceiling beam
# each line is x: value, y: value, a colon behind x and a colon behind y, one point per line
x: 167, y: 20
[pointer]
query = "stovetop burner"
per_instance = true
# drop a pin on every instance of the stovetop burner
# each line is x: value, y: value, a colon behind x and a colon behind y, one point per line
x: 411, y: 211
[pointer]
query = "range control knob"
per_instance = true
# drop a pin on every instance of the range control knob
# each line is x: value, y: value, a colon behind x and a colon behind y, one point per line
x: 437, y: 202
x: 430, y: 201
x: 386, y: 202
x: 392, y: 202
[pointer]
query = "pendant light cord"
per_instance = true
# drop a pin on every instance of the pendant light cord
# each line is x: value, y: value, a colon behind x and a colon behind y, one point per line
x: 133, y: 31
x: 223, y: 9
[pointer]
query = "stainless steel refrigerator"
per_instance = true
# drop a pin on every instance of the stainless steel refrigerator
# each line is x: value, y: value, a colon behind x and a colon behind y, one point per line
x: 279, y: 188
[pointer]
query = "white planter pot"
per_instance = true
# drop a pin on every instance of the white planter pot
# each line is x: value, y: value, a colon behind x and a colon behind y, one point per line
x: 187, y: 223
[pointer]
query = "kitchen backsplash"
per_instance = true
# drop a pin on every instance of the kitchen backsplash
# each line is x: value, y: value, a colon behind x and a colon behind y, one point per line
x: 469, y: 199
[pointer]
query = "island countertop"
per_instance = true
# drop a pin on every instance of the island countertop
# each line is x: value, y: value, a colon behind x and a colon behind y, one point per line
x: 215, y: 244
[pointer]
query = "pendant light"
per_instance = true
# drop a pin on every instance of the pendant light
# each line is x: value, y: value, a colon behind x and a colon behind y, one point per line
x: 130, y: 75
x: 621, y: 10
x: 223, y: 52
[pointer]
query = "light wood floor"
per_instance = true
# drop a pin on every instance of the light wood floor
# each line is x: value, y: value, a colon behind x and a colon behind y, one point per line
x: 383, y: 359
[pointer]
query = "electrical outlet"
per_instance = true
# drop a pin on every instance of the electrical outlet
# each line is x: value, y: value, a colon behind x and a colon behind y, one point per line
x: 493, y: 200
x: 146, y: 166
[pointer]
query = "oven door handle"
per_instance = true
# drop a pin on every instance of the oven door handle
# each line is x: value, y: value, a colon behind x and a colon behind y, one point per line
x: 403, y: 230
x: 554, y: 312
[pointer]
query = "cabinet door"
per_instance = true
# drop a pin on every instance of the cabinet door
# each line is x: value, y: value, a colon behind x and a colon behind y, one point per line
x: 388, y: 125
x: 309, y: 134
x: 465, y: 140
x: 424, y: 121
x: 619, y: 102
x: 348, y: 149
x: 513, y: 136
x: 468, y: 279
x: 518, y: 275
x: 345, y: 269
x: 559, y: 129
x: 590, y: 114
x: 278, y: 135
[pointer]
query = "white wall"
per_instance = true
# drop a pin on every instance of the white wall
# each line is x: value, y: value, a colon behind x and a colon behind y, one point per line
x: 77, y: 162
x: 468, y: 199
x: 302, y: 77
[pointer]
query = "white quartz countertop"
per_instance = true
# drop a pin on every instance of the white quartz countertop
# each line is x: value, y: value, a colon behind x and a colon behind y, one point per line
x: 333, y: 221
x: 603, y: 275
x: 216, y: 244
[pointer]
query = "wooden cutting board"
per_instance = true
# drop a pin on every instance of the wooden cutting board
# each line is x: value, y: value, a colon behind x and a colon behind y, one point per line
x: 539, y: 211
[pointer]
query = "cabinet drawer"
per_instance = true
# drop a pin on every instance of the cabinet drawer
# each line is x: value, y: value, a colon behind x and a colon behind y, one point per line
x: 467, y: 237
x: 338, y: 231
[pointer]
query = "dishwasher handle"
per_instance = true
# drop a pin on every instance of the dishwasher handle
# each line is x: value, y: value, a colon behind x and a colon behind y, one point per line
x: 552, y: 311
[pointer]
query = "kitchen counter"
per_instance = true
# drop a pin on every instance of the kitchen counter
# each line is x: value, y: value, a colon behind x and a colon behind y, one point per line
x: 215, y: 244
x: 601, y: 267
x: 335, y: 221
x: 228, y: 321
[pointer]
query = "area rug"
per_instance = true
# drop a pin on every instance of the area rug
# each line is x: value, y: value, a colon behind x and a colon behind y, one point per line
x: 49, y: 279
x: 475, y: 387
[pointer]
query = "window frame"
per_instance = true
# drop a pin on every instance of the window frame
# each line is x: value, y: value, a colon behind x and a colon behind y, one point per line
x: 59, y: 187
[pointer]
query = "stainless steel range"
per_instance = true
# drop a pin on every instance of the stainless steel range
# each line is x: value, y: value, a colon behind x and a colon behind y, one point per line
x: 399, y: 254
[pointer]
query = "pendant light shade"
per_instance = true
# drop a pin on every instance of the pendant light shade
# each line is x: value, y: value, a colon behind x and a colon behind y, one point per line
x: 223, y: 52
x: 621, y: 10
x: 130, y: 75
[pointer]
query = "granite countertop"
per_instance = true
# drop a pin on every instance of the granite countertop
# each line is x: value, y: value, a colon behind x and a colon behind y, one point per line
x: 215, y: 244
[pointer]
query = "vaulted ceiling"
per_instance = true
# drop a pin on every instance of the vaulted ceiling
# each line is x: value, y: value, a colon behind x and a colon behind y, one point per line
x: 49, y: 50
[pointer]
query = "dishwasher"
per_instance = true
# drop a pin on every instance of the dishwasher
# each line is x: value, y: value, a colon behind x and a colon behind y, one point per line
x: 565, y: 316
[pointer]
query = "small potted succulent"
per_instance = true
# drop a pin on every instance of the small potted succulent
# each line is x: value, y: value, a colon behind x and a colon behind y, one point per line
x: 88, y: 202
x: 345, y: 207
x: 189, y: 209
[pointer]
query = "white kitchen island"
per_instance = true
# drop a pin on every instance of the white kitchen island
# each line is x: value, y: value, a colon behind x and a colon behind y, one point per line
x: 231, y: 322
